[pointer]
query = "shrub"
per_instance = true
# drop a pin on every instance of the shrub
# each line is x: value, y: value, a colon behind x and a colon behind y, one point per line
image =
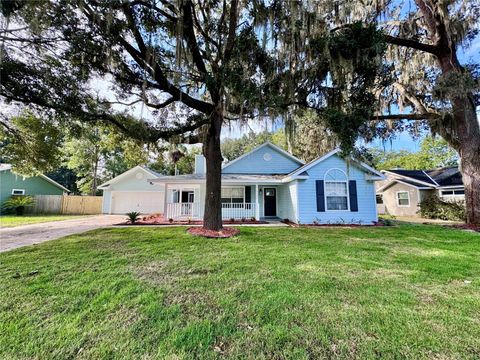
x: 18, y: 203
x: 133, y: 216
x: 432, y: 207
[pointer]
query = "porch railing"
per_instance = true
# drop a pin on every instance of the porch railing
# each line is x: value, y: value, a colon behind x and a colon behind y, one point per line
x: 183, y: 210
x: 195, y: 211
x: 238, y: 210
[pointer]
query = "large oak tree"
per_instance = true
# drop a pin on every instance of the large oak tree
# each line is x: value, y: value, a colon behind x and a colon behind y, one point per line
x: 203, y: 60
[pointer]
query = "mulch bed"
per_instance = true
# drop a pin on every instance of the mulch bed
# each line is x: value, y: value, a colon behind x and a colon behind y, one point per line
x: 224, y: 233
x: 292, y: 224
x: 160, y: 220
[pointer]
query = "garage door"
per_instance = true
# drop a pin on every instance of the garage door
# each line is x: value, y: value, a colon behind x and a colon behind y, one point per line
x: 147, y: 202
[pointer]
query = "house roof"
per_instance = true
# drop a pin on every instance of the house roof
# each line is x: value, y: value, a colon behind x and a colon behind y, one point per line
x: 125, y: 174
x: 5, y: 167
x: 225, y: 178
x: 442, y: 177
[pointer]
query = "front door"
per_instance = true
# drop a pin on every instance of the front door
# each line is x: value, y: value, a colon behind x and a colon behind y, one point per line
x: 270, y: 202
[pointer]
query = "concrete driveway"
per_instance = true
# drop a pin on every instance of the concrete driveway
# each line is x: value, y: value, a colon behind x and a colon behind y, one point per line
x: 15, y: 237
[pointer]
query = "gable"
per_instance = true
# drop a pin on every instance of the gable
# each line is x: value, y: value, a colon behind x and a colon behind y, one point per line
x: 266, y: 159
x: 137, y: 178
x: 35, y: 185
x: 351, y: 170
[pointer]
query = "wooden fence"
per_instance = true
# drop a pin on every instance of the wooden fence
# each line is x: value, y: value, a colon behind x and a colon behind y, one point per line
x: 67, y: 204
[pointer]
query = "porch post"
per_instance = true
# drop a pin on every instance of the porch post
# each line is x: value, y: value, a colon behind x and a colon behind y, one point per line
x: 165, y: 200
x: 257, y: 204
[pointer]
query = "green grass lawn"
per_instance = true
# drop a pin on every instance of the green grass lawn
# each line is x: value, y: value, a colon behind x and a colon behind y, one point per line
x: 411, y: 291
x: 13, y: 220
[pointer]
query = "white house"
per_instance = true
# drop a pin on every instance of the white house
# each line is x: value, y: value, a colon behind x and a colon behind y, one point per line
x: 266, y: 183
x: 132, y: 191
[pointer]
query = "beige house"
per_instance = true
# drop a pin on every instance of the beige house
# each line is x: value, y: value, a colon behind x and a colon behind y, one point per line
x: 403, y: 190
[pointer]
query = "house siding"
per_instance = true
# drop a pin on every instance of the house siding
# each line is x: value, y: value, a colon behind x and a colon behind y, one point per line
x: 34, y: 185
x: 390, y: 200
x: 254, y: 163
x: 287, y: 201
x: 307, y: 208
x: 129, y: 184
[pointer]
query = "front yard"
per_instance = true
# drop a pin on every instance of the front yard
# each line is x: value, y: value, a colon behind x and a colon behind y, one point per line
x: 411, y: 291
x: 13, y: 220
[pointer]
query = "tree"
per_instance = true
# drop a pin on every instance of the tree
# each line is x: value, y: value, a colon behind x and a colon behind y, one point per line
x: 100, y: 153
x: 432, y: 34
x: 203, y: 59
x: 164, y: 163
x: 32, y: 144
x: 434, y: 153
x: 429, y: 82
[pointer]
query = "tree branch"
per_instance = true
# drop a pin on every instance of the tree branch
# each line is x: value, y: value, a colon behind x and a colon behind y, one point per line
x: 413, y: 44
x: 412, y: 117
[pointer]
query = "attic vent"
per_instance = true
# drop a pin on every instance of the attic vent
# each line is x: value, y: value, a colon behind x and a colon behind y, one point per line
x: 267, y: 157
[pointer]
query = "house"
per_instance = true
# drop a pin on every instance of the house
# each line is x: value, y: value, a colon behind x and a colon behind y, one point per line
x: 265, y: 183
x: 402, y: 191
x: 13, y: 184
x: 132, y: 191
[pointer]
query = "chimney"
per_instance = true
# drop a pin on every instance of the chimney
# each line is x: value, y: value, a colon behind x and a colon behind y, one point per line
x: 200, y: 166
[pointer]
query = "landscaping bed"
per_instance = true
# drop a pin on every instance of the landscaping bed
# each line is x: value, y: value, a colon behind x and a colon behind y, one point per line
x: 160, y: 220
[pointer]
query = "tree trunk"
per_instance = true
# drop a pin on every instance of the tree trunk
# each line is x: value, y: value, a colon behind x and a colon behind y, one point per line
x: 463, y: 131
x: 470, y: 167
x: 463, y: 134
x: 212, y: 217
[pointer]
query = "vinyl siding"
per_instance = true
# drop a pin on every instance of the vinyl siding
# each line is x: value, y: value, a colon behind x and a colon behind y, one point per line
x: 254, y: 163
x: 287, y: 201
x: 34, y: 185
x: 308, y: 214
x: 130, y: 183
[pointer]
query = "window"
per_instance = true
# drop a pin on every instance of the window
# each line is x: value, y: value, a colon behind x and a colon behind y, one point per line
x: 336, y: 190
x: 403, y: 198
x: 453, y: 195
x: 233, y: 195
x: 175, y: 196
x: 18, y: 191
x: 379, y: 199
x: 336, y: 194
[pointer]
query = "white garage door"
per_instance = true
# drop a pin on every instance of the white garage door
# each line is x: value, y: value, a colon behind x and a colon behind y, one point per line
x: 146, y: 202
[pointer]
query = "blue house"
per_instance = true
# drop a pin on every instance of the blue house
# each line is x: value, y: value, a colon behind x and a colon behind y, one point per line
x: 270, y: 183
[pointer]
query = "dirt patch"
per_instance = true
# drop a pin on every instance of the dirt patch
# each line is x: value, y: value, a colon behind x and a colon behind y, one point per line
x: 224, y: 233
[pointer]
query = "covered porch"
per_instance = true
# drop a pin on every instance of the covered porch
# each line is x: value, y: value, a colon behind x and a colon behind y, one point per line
x: 239, y: 201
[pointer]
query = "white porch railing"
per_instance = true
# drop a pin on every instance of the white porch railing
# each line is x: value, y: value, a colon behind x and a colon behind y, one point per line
x: 238, y: 210
x: 195, y: 211
x: 183, y: 210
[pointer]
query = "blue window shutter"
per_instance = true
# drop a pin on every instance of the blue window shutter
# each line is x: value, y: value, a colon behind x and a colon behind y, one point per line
x: 320, y: 195
x: 248, y: 194
x: 352, y: 189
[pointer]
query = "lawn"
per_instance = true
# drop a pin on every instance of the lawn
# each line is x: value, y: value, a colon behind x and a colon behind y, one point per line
x: 411, y: 291
x: 13, y: 220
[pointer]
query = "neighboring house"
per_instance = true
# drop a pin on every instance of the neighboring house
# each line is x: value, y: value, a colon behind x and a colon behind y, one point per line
x: 266, y: 183
x: 403, y: 190
x: 132, y: 191
x: 13, y: 184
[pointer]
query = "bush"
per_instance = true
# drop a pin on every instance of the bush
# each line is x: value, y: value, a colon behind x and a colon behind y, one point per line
x: 18, y: 203
x: 133, y: 216
x: 432, y: 207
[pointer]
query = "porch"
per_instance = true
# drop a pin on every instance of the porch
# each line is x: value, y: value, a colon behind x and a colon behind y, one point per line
x: 238, y: 202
